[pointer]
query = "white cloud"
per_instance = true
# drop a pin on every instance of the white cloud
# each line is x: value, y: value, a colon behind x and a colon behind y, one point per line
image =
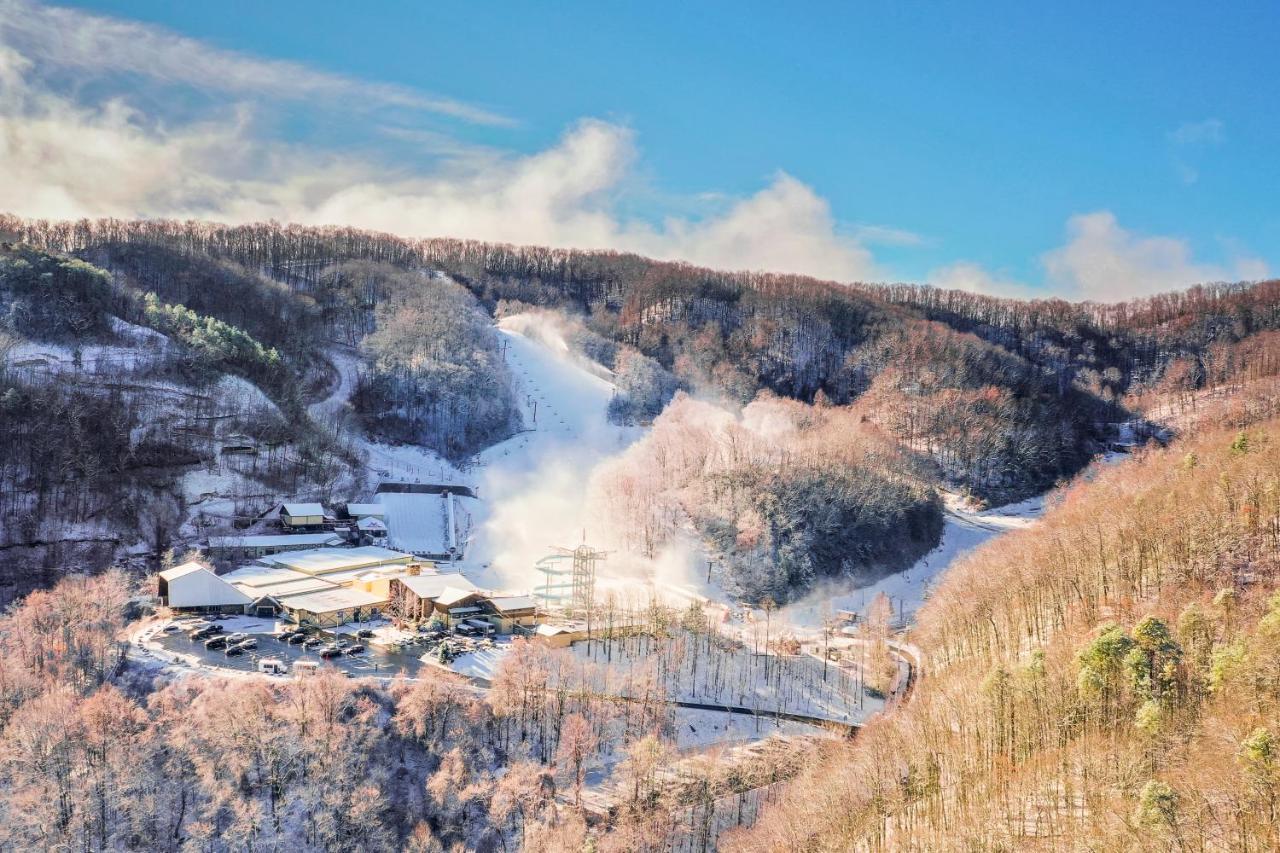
x: 85, y: 43
x: 1211, y: 131
x: 966, y: 275
x: 1103, y: 261
x: 65, y: 155
x: 1188, y: 142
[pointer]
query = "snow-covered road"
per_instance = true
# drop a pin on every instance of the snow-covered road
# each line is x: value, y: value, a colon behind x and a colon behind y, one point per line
x: 964, y: 529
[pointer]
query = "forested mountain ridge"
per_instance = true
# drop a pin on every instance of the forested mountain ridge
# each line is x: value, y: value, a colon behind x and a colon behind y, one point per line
x: 997, y: 398
x: 1107, y: 680
x: 1005, y: 396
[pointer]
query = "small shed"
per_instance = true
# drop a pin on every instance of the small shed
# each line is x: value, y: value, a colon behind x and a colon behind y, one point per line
x: 300, y: 515
x: 372, y: 527
x: 559, y: 636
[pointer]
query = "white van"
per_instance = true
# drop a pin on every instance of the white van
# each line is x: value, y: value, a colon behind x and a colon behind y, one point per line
x: 272, y: 666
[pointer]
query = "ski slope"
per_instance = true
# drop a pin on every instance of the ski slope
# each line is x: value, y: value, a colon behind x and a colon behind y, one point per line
x: 532, y: 486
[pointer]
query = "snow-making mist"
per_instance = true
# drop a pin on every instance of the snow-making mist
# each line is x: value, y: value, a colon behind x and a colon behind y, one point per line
x: 533, y: 487
x: 541, y: 488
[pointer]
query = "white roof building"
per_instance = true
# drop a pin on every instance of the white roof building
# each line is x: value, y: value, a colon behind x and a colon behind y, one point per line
x: 366, y: 510
x: 322, y: 561
x: 512, y: 603
x: 433, y: 586
x: 332, y: 600
x: 334, y: 606
x: 192, y: 586
x: 284, y: 540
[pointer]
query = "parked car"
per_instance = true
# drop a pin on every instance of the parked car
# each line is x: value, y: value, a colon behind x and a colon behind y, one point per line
x: 364, y: 634
x: 205, y: 632
x: 354, y: 650
x: 297, y: 639
x: 172, y: 628
x: 231, y: 651
x: 330, y: 652
x: 250, y: 643
x: 215, y: 642
x: 237, y: 637
x: 313, y: 642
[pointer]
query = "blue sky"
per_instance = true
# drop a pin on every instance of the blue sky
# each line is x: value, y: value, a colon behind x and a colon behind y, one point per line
x: 1010, y: 147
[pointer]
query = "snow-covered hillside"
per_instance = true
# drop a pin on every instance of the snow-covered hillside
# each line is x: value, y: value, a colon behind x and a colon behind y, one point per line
x: 964, y: 530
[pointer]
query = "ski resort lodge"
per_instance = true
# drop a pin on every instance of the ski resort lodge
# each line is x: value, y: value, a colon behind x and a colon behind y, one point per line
x: 327, y: 587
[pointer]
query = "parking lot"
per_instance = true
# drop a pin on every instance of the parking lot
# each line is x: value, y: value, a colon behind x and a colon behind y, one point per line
x: 373, y: 661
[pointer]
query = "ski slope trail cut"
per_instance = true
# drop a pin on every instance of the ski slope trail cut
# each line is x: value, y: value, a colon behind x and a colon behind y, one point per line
x: 533, y: 486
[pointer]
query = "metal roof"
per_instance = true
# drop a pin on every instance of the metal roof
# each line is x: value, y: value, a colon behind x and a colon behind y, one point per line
x: 267, y: 541
x: 507, y: 603
x: 455, y: 595
x: 304, y: 509
x: 325, y: 560
x: 184, y: 569
x: 431, y: 586
x: 330, y: 600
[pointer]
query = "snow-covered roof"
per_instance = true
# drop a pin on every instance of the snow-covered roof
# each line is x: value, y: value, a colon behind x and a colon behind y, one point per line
x: 192, y: 585
x: 455, y: 595
x: 260, y: 575
x: 431, y: 586
x: 362, y: 510
x: 330, y: 600
x: 371, y: 524
x: 178, y: 571
x: 287, y: 540
x: 304, y: 509
x: 509, y: 603
x: 324, y: 560
x: 302, y: 586
x: 381, y: 573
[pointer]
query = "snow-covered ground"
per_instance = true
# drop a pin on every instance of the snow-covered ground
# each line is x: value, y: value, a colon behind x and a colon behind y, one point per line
x: 346, y: 362
x: 697, y: 730
x: 482, y: 663
x: 725, y: 675
x: 416, y: 523
x: 964, y: 529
